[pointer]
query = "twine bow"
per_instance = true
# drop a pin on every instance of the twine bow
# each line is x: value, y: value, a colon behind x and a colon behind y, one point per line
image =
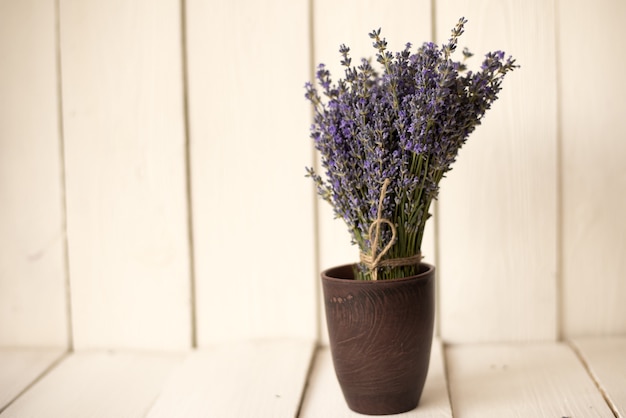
x: 374, y: 260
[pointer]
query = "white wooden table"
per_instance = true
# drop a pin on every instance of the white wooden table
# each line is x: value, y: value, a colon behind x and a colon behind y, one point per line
x: 293, y: 378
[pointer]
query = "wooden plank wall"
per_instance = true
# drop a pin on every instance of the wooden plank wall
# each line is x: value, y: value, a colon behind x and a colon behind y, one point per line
x: 152, y: 162
x: 33, y: 305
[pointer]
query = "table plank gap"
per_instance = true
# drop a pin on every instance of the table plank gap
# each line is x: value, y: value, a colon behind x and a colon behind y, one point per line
x: 523, y: 380
x: 22, y: 367
x: 97, y: 384
x: 605, y: 360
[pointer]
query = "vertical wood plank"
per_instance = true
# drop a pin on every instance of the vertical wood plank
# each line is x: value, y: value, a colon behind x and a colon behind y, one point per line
x: 498, y: 242
x: 350, y: 22
x: 125, y: 156
x: 252, y: 205
x: 593, y: 100
x: 32, y: 272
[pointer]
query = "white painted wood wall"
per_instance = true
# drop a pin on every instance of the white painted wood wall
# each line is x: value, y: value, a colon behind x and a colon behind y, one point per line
x: 152, y: 154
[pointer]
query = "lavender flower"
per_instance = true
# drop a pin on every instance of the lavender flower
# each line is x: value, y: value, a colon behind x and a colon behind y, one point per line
x: 404, y: 125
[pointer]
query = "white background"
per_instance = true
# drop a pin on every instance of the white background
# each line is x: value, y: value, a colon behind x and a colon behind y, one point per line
x: 152, y: 154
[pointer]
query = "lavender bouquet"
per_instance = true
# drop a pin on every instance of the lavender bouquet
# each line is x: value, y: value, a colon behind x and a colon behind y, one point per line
x: 386, y: 141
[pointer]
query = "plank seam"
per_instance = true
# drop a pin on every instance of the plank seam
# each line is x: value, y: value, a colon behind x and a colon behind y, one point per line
x: 316, y: 209
x: 559, y: 279
x: 314, y: 354
x: 188, y: 179
x: 62, y: 175
x: 594, y: 377
x: 433, y: 21
x: 446, y: 374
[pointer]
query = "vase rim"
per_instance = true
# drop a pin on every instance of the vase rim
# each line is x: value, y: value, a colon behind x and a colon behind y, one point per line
x: 326, y: 276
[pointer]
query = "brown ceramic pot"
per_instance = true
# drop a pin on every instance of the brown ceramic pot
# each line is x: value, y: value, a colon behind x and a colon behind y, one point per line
x: 380, y: 337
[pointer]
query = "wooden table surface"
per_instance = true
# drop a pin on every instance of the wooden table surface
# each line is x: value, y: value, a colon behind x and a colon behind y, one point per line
x: 295, y: 378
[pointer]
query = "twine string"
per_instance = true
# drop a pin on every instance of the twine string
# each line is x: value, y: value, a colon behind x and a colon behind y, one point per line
x: 374, y: 260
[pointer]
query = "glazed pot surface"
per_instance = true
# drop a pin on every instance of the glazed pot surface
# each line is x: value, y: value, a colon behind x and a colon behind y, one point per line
x: 380, y: 337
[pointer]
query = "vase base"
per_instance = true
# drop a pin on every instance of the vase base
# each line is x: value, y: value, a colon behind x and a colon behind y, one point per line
x: 385, y: 404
